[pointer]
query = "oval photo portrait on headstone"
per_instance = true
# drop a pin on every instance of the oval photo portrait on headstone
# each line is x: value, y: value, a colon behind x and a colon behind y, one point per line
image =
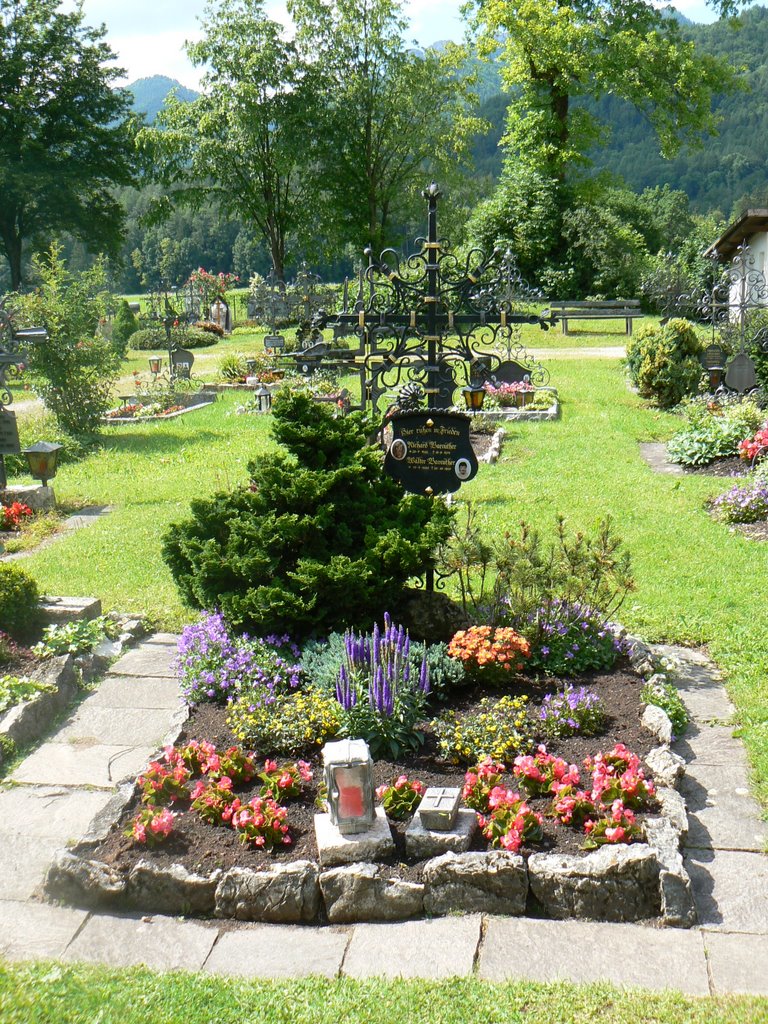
x: 399, y: 449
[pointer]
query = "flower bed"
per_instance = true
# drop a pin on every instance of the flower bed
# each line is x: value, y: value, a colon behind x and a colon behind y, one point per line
x: 177, y: 841
x: 145, y: 409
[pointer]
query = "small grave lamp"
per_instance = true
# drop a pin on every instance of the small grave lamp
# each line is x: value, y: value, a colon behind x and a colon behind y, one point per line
x: 348, y: 776
x: 155, y: 365
x: 714, y: 361
x: 474, y: 396
x: 263, y: 398
x: 439, y: 807
x: 43, y: 458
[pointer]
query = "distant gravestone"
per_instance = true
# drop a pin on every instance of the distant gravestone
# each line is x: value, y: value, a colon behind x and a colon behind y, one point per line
x: 182, y: 361
x: 221, y: 315
x: 9, y: 433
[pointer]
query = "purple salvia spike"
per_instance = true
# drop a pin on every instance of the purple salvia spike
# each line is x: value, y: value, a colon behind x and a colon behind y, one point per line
x: 342, y: 688
x: 387, y: 621
x: 424, y: 675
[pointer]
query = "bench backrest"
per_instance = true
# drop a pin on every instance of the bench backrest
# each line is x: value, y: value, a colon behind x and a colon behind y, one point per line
x: 608, y: 304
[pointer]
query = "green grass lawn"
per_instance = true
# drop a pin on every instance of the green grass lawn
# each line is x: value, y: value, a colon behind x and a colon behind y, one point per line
x: 697, y: 583
x: 49, y: 993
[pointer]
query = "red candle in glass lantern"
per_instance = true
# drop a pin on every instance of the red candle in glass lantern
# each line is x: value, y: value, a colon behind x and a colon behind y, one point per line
x: 350, y: 795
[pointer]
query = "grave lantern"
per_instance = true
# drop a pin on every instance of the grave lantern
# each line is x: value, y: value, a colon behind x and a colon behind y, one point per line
x: 348, y: 776
x: 155, y: 365
x: 714, y: 361
x: 251, y: 365
x: 42, y: 459
x: 263, y: 398
x: 474, y: 396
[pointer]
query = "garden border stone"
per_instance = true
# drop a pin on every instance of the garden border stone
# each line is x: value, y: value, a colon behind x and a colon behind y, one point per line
x: 27, y: 721
x: 626, y: 883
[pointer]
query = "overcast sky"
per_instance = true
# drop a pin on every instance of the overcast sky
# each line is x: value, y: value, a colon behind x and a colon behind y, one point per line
x: 149, y: 35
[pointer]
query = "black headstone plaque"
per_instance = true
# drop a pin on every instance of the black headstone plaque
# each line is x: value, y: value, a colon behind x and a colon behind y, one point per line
x: 431, y: 452
x: 9, y: 433
x: 274, y: 342
x: 182, y: 360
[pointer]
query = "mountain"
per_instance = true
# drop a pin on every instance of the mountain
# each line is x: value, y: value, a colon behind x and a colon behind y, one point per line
x: 149, y: 94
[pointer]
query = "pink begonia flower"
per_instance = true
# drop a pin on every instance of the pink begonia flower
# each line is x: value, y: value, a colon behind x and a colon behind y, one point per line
x: 304, y: 770
x: 199, y: 789
x: 511, y: 841
x: 400, y: 781
x: 162, y: 824
x: 139, y: 832
x: 615, y: 835
x: 225, y: 783
x: 380, y: 791
x: 213, y: 764
x: 258, y: 840
x: 270, y: 766
x: 287, y: 840
x: 285, y: 780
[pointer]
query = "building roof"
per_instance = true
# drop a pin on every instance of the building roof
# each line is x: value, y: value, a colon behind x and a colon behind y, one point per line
x: 740, y: 231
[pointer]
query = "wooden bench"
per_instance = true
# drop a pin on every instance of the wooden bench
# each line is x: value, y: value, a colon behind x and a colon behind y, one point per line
x: 611, y: 309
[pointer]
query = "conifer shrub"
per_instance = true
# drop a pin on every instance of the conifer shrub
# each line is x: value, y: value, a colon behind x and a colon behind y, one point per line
x: 19, y: 603
x: 320, y: 539
x: 664, y: 363
x: 125, y: 324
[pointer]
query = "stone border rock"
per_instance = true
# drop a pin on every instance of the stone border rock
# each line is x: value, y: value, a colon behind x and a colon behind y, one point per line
x: 26, y: 722
x: 624, y: 883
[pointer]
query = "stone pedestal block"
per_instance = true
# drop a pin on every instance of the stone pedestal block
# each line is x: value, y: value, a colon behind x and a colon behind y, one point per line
x: 335, y: 849
x: 422, y: 843
x: 34, y: 496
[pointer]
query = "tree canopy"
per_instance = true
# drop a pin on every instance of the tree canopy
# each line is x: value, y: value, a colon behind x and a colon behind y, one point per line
x: 245, y: 142
x: 66, y: 135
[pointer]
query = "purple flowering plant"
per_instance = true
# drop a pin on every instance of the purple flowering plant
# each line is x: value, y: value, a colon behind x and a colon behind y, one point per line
x: 741, y: 504
x: 568, y: 638
x: 215, y: 666
x: 571, y: 712
x: 382, y: 699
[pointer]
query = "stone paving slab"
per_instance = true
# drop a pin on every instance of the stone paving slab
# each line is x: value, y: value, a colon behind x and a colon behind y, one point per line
x: 25, y: 864
x: 721, y: 813
x: 66, y: 765
x: 711, y: 745
x: 152, y: 658
x: 35, y: 930
x: 162, y: 943
x: 93, y: 725
x: 654, y: 454
x: 49, y: 811
x: 279, y: 951
x: 738, y: 963
x: 132, y: 692
x: 437, y: 948
x: 730, y: 889
x: 623, y: 954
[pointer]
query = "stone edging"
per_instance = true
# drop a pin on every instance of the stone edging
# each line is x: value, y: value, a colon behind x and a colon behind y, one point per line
x: 30, y: 719
x: 622, y: 883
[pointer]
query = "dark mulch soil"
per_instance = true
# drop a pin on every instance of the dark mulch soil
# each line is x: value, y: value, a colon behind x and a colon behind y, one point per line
x: 733, y: 466
x: 481, y: 442
x: 203, y: 847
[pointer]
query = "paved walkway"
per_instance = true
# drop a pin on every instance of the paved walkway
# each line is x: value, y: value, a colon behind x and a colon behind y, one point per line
x: 66, y: 781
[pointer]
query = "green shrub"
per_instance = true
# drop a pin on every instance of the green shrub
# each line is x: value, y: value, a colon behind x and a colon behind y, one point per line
x: 75, y: 368
x: 713, y: 433
x: 665, y: 362
x: 321, y: 538
x: 16, y: 689
x: 125, y: 325
x: 19, y: 602
x: 153, y: 339
x: 292, y: 724
x: 232, y: 366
